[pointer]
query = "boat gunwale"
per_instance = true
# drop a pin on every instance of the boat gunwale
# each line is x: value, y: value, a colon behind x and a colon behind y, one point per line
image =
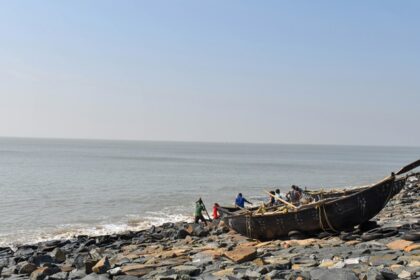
x: 314, y: 206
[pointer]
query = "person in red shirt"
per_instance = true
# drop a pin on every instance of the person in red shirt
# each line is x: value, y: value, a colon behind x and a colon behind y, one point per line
x: 215, y: 211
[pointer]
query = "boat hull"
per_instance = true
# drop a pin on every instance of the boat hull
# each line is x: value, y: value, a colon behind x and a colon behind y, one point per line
x: 340, y: 214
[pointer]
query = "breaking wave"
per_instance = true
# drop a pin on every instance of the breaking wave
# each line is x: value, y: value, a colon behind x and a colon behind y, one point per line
x: 68, y: 231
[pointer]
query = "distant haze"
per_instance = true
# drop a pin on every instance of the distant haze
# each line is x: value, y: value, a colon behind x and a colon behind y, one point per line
x: 316, y: 72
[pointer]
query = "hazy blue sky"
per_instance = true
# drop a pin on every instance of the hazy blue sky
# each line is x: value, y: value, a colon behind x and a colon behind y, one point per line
x: 236, y: 71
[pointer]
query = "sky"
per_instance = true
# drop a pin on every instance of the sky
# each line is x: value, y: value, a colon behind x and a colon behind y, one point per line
x: 302, y: 72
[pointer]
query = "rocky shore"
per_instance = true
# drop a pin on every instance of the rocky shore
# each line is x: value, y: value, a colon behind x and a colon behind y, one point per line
x: 187, y: 251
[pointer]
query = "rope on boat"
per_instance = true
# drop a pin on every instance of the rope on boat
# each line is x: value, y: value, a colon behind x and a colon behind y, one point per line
x: 321, y: 210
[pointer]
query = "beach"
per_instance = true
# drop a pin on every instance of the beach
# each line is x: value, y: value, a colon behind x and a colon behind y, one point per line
x: 189, y: 251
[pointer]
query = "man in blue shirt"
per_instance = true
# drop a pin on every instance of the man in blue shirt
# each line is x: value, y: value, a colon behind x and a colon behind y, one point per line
x: 240, y: 201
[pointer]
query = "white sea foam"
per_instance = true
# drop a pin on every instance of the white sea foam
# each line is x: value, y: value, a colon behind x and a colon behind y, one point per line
x: 68, y: 231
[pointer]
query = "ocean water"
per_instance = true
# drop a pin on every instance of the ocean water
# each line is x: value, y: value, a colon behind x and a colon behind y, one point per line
x: 59, y: 188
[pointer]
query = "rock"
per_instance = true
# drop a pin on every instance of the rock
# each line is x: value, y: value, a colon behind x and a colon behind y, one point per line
x: 397, y: 268
x: 58, y: 255
x: 77, y: 274
x: 251, y: 274
x: 42, y: 272
x: 389, y: 274
x: 79, y: 261
x: 41, y: 259
x: 412, y: 247
x: 96, y: 254
x: 224, y: 272
x: 182, y: 233
x: 101, y: 266
x: 382, y: 260
x: 25, y: 251
x: 404, y: 275
x: 279, y: 262
x: 371, y: 274
x: 399, y: 244
x: 137, y: 269
x: 94, y: 276
x: 27, y: 268
x: 89, y: 264
x: 59, y: 276
x: 115, y: 271
x: 125, y: 277
x: 414, y: 264
x: 332, y: 274
x: 168, y: 277
x: 200, y: 231
x: 242, y: 254
x: 259, y: 262
x: 327, y: 263
x: 299, y: 262
x: 187, y: 269
x: 7, y: 271
x: 276, y: 274
x: 202, y: 259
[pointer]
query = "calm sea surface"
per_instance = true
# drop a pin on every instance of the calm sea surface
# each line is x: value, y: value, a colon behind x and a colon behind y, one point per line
x: 59, y: 188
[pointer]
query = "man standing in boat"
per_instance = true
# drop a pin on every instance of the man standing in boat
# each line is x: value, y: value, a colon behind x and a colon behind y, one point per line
x: 240, y: 201
x: 281, y: 196
x: 295, y: 195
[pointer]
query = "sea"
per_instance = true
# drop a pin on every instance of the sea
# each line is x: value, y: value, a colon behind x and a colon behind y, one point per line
x: 58, y: 188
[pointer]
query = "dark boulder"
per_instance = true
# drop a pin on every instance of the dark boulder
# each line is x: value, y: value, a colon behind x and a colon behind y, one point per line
x: 39, y: 260
x: 182, y: 233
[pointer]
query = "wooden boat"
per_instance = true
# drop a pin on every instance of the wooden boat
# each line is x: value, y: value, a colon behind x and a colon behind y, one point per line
x: 335, y: 213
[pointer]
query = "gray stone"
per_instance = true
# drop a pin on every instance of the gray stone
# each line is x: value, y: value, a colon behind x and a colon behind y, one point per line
x: 201, y: 259
x: 94, y: 276
x: 125, y: 277
x: 382, y: 260
x: 251, y: 274
x: 59, y: 276
x: 24, y: 251
x: 276, y: 274
x: 332, y: 274
x: 115, y: 271
x: 8, y: 271
x: 187, y: 269
x: 77, y: 274
x: 404, y: 275
x: 373, y: 274
x: 58, y: 255
x: 79, y: 261
x: 96, y: 254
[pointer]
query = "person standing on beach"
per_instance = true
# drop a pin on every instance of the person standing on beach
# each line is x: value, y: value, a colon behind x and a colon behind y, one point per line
x: 216, y: 211
x: 240, y: 201
x: 198, y: 215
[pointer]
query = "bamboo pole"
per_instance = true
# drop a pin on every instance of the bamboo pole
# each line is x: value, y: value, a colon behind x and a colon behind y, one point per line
x: 281, y: 200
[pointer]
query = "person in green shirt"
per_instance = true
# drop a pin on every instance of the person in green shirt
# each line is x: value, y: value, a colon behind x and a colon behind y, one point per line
x: 198, y: 215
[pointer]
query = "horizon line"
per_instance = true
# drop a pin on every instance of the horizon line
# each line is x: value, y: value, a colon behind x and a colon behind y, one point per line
x: 204, y: 142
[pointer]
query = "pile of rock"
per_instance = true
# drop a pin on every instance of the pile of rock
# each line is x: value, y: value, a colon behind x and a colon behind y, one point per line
x: 188, y: 251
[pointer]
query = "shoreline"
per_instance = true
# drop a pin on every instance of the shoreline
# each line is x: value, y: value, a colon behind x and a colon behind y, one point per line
x: 186, y: 251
